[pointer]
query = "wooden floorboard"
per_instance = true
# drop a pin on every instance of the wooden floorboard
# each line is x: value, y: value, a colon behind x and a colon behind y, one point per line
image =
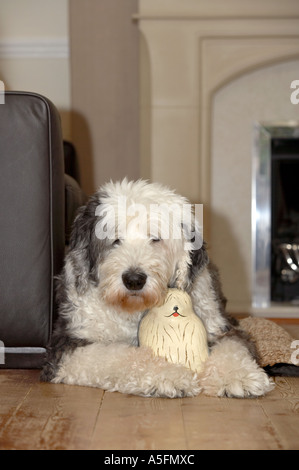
x: 46, y: 416
x: 127, y: 422
x: 231, y: 424
x: 282, y: 408
x: 36, y: 415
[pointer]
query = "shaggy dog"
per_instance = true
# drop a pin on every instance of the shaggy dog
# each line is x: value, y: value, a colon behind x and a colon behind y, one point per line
x: 119, y: 265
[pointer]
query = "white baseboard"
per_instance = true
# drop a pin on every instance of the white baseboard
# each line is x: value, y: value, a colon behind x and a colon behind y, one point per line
x: 34, y: 48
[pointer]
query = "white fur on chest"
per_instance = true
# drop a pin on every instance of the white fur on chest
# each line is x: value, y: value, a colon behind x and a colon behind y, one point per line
x: 92, y: 319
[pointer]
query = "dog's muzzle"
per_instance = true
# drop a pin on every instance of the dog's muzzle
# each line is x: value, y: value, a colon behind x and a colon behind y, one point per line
x: 134, y: 280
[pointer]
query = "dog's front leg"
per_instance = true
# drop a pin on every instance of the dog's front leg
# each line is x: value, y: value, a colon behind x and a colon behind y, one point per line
x: 231, y: 371
x: 127, y: 369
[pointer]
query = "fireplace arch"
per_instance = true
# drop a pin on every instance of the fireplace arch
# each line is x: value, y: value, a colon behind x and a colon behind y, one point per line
x: 194, y: 51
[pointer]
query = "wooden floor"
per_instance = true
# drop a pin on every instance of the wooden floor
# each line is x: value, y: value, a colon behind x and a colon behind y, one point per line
x: 35, y: 415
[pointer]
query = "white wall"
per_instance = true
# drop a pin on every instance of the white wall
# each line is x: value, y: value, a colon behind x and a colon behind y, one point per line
x: 34, y: 51
x: 105, y: 90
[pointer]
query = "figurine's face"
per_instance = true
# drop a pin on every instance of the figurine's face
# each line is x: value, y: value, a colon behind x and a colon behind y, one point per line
x: 177, y: 304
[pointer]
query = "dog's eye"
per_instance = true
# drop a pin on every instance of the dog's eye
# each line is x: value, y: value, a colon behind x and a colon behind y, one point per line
x: 155, y: 240
x: 116, y: 242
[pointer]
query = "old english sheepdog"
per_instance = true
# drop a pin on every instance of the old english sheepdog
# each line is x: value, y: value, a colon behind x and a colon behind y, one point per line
x: 125, y: 252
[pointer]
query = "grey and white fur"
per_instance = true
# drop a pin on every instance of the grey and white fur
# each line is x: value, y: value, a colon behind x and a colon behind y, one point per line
x: 109, y: 282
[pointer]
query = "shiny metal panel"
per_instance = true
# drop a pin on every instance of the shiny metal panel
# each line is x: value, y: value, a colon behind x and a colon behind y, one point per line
x: 261, y: 207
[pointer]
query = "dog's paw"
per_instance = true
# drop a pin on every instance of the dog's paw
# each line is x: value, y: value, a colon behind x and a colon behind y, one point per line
x: 181, y: 387
x: 174, y: 381
x: 231, y: 371
x: 237, y: 384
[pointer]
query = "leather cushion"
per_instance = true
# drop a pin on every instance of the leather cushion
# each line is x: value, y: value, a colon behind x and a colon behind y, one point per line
x: 31, y: 217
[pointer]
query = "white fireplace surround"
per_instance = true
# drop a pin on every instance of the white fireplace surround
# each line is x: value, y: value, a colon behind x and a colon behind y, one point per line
x: 191, y: 53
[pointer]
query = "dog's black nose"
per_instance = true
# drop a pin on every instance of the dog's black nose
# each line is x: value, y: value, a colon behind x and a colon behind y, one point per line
x: 134, y: 280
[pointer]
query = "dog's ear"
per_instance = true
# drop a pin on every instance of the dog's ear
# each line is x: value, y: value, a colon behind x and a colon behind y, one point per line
x: 198, y: 256
x: 194, y: 260
x: 84, y: 247
x: 198, y: 260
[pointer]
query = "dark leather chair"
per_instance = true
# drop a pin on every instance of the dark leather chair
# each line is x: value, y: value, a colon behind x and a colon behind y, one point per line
x: 32, y: 225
